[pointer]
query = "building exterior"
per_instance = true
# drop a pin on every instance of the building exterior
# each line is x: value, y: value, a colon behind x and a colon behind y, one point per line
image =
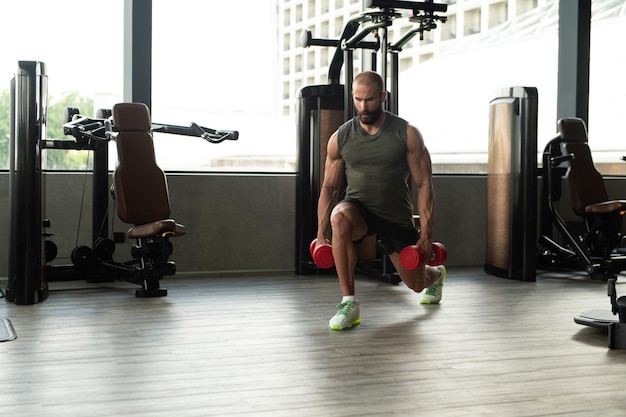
x: 326, y: 19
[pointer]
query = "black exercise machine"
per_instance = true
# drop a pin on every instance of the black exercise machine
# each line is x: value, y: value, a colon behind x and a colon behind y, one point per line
x: 595, y: 247
x: 614, y: 320
x: 141, y: 195
x: 323, y: 108
x: 140, y: 189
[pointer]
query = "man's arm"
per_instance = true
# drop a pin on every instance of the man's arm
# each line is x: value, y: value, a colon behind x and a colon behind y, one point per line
x: 333, y: 176
x: 418, y: 159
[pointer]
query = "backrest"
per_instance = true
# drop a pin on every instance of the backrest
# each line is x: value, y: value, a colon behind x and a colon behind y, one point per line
x: 585, y: 182
x: 141, y: 189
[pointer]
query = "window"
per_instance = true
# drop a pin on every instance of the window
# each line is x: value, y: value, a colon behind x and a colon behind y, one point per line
x: 524, y: 6
x: 405, y: 63
x: 238, y: 72
x: 325, y: 6
x: 219, y: 68
x: 448, y: 29
x: 607, y: 88
x: 498, y: 13
x: 286, y: 17
x: 298, y: 63
x: 311, y: 12
x: 338, y: 26
x: 299, y: 13
x: 287, y: 42
x: 84, y: 70
x: 447, y: 97
x: 472, y: 21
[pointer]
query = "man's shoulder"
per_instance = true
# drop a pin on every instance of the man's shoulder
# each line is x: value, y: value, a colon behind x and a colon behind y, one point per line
x: 394, y: 118
x: 346, y: 128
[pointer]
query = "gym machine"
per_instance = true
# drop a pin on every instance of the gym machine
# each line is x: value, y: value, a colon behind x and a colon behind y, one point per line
x: 323, y: 108
x: 595, y: 245
x: 592, y: 245
x: 512, y: 184
x: 31, y: 249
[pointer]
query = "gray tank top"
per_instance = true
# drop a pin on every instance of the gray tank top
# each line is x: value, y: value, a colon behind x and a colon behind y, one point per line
x: 377, y: 172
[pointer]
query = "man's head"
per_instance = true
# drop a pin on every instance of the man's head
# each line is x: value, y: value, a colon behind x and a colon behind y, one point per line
x: 368, y: 95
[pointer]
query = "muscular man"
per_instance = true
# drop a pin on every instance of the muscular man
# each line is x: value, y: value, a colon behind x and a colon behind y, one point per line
x: 379, y: 153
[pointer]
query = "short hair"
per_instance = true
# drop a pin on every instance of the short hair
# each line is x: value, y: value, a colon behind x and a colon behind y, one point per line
x: 370, y: 77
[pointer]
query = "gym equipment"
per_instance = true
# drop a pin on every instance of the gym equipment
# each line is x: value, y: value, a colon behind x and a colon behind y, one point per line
x: 412, y: 257
x: 31, y: 249
x: 141, y: 195
x: 27, y: 283
x: 323, y: 108
x: 142, y: 199
x: 614, y: 321
x: 595, y: 247
x: 512, y: 184
x: 322, y: 254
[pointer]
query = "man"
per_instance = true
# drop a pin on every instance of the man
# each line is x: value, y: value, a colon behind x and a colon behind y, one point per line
x: 379, y: 152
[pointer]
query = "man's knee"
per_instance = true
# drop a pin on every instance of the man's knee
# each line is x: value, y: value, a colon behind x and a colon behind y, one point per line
x: 339, y: 222
x: 347, y: 220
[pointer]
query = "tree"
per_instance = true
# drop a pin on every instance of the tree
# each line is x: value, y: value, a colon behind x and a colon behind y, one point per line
x: 55, y: 158
x: 60, y: 158
x: 4, y: 129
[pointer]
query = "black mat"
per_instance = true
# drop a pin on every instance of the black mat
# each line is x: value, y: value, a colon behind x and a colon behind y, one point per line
x: 7, y: 332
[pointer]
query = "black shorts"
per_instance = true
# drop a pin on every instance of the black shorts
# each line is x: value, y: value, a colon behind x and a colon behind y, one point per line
x: 393, y: 237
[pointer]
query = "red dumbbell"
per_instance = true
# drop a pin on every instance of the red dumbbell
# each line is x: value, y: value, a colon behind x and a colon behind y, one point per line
x: 412, y: 257
x: 322, y: 254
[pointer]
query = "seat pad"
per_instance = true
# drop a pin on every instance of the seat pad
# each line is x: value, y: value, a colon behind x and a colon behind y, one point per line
x: 157, y: 229
x: 606, y: 207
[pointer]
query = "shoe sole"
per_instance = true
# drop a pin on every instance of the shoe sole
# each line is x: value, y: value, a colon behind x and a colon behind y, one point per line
x: 338, y: 327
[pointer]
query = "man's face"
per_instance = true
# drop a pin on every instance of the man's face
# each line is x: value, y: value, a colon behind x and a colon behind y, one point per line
x: 368, y: 102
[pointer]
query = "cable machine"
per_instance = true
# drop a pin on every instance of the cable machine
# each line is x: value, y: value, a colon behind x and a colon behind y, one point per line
x: 323, y: 108
x: 31, y: 249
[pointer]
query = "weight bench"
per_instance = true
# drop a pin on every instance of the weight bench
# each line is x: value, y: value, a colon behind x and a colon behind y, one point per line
x: 602, y: 217
x: 142, y: 198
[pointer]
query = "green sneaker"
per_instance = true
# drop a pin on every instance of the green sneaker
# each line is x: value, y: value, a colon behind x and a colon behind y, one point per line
x: 434, y: 293
x: 348, y: 315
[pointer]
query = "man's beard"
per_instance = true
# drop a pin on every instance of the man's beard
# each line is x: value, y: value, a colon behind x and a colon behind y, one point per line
x: 369, y: 118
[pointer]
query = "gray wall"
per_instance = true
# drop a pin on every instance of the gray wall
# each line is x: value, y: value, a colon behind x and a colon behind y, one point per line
x: 242, y: 223
x: 246, y: 223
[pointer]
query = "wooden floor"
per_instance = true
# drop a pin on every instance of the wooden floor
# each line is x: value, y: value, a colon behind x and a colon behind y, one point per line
x: 259, y: 346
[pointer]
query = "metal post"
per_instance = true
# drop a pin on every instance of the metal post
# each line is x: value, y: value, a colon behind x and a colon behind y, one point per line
x: 348, y: 76
x: 392, y: 100
x: 574, y: 41
x: 29, y: 91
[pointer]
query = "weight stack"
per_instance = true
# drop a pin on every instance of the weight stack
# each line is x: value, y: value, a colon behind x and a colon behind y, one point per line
x: 512, y: 184
x: 320, y: 113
